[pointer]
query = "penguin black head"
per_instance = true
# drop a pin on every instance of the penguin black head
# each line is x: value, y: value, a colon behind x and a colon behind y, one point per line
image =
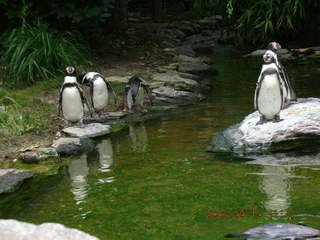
x: 269, y: 57
x: 82, y: 80
x: 274, y: 46
x: 134, y: 80
x: 70, y: 71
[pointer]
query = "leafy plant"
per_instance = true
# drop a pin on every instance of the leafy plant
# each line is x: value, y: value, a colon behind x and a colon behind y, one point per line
x: 34, y: 53
x: 259, y: 21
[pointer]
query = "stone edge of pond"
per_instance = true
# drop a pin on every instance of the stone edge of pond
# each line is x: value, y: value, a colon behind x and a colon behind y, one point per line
x: 180, y: 83
x: 299, y: 130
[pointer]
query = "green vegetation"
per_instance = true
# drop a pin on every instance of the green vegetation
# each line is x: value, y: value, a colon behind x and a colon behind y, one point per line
x: 259, y: 21
x: 34, y: 53
x: 26, y: 110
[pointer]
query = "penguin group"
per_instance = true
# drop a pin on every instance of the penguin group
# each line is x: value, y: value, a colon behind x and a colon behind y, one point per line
x: 72, y: 100
x: 273, y: 88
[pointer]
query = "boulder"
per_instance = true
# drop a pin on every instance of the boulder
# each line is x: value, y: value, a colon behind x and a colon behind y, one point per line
x: 299, y: 128
x: 183, y: 50
x: 201, y: 43
x: 39, y: 155
x: 174, y: 79
x: 90, y: 130
x: 73, y: 146
x: 260, y: 52
x: 15, y: 230
x: 11, y: 180
x: 168, y: 95
x: 194, y: 66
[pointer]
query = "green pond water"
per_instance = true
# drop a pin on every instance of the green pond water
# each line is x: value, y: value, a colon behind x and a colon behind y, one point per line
x: 155, y: 181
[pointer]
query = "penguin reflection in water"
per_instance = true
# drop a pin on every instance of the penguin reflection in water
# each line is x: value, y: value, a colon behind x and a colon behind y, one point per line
x: 134, y: 94
x: 269, y: 91
x: 100, y: 89
x: 288, y: 92
x: 71, y: 99
x: 280, y: 231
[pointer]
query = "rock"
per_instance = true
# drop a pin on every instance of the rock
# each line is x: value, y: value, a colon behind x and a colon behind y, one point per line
x: 300, y: 128
x: 118, y: 79
x: 260, y: 52
x: 193, y: 65
x: 200, y: 43
x: 154, y: 85
x: 90, y: 130
x: 173, y: 78
x: 39, y: 155
x: 208, y: 23
x: 11, y: 180
x: 186, y: 50
x: 16, y: 230
x: 73, y: 146
x: 170, y: 95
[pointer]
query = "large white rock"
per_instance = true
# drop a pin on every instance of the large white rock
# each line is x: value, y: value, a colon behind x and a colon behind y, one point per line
x: 16, y: 230
x: 302, y: 118
x: 300, y: 125
x: 90, y: 130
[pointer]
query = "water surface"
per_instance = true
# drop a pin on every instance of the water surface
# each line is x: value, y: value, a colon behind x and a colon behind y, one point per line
x: 155, y: 181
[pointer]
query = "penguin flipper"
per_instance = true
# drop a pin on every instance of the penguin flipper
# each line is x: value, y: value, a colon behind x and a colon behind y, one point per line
x: 110, y: 88
x: 84, y: 100
x: 60, y: 111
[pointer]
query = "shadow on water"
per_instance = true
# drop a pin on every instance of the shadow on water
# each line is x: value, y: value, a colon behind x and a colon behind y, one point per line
x: 155, y: 181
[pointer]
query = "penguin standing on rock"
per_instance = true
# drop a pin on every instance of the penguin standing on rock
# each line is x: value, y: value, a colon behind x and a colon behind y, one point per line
x: 269, y: 91
x: 100, y: 89
x: 71, y: 99
x: 134, y: 93
x: 291, y: 95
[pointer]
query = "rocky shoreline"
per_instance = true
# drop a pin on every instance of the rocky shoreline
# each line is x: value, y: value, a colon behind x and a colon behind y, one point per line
x: 299, y: 129
x: 179, y: 83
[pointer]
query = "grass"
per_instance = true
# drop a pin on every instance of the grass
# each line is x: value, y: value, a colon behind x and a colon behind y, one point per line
x: 23, y: 111
x: 36, y: 53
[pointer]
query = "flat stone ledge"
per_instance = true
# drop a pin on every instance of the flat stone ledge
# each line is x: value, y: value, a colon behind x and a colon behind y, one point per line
x: 73, y: 146
x: 39, y: 155
x: 90, y: 130
x: 11, y: 179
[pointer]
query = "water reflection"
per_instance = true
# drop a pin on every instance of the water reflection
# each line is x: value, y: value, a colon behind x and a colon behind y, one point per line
x: 78, y: 171
x: 276, y: 173
x: 139, y: 137
x: 105, y: 151
x: 275, y: 183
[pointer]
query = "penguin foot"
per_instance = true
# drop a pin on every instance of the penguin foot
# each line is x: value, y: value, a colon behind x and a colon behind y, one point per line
x: 81, y: 125
x: 262, y: 121
x: 276, y: 119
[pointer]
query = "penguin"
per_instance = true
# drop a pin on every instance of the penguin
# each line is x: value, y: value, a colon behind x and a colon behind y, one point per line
x: 71, y: 99
x: 269, y: 91
x: 134, y: 93
x: 291, y: 95
x: 100, y: 89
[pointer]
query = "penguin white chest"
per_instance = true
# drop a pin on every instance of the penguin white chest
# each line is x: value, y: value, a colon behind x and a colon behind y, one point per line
x: 99, y: 94
x: 72, y: 106
x: 140, y: 97
x: 270, y: 97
